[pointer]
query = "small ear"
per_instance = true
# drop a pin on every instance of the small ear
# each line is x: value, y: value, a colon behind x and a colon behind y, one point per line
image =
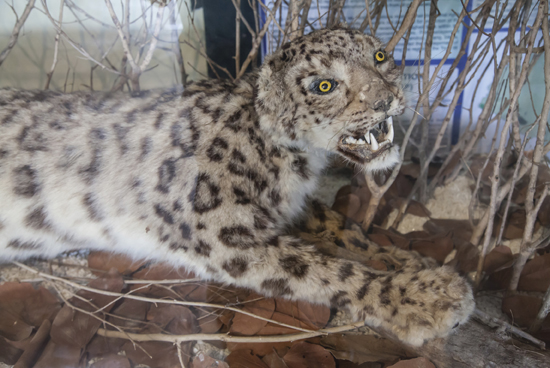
x: 280, y: 58
x: 340, y: 26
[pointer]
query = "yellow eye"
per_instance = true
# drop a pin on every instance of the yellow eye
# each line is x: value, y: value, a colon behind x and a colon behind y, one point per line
x: 380, y: 56
x: 325, y: 86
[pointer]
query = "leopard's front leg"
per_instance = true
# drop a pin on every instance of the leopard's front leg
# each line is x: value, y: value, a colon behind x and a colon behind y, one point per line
x: 346, y: 233
x: 413, y: 306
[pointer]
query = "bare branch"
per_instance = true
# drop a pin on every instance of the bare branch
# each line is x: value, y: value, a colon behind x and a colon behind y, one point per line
x: 122, y: 34
x: 56, y: 46
x: 495, y: 322
x: 16, y: 29
x: 514, y: 180
x: 305, y: 12
x: 180, y: 357
x: 155, y: 300
x: 77, y: 47
x: 258, y: 40
x: 176, y: 49
x: 294, y: 12
x: 526, y: 248
x: 543, y: 312
x: 178, y: 339
x: 153, y: 44
x: 439, y: 98
x: 237, y: 5
x: 410, y: 16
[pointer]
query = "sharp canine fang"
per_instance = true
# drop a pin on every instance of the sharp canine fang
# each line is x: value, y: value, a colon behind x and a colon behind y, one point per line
x: 389, y: 123
x: 367, y: 138
x: 374, y: 143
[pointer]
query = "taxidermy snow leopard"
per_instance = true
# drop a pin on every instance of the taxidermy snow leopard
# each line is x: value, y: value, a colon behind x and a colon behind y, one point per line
x: 210, y: 178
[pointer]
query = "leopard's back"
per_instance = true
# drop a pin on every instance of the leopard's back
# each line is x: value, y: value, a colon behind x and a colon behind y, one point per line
x: 82, y: 169
x: 117, y: 172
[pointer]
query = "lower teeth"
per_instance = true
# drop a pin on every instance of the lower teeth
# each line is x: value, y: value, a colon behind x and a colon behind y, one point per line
x: 370, y: 140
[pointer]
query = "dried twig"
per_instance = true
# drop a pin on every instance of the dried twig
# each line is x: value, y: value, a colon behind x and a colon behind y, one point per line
x: 75, y: 45
x: 155, y: 300
x: 502, y: 192
x: 156, y: 282
x: 56, y: 46
x: 468, y: 140
x: 514, y: 180
x: 294, y: 24
x: 176, y: 49
x: 439, y: 98
x: 410, y: 16
x: 367, y: 21
x: 177, y: 339
x: 237, y: 4
x: 424, y: 124
x: 202, y: 49
x: 258, y: 40
x: 154, y: 39
x: 532, y: 208
x: 495, y: 322
x: 306, y: 6
x: 16, y: 29
x: 124, y: 38
x: 180, y: 357
x: 136, y: 68
x: 543, y: 312
x: 93, y: 314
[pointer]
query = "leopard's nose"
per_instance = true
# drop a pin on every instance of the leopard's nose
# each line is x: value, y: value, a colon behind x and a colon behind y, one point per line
x: 383, y: 102
x: 376, y: 96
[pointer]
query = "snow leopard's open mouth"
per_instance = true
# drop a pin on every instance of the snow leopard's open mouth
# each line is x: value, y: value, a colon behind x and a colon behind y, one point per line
x: 363, y: 147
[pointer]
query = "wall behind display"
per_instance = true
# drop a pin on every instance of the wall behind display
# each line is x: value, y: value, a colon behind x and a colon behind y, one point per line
x: 89, y: 25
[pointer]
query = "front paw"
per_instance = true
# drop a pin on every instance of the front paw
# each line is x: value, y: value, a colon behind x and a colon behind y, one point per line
x: 415, y: 307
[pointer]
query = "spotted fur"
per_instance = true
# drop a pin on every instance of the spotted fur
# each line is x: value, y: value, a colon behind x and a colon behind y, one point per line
x: 211, y: 177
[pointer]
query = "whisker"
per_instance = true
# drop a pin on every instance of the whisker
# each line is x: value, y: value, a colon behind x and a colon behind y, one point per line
x: 416, y: 112
x: 335, y: 134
